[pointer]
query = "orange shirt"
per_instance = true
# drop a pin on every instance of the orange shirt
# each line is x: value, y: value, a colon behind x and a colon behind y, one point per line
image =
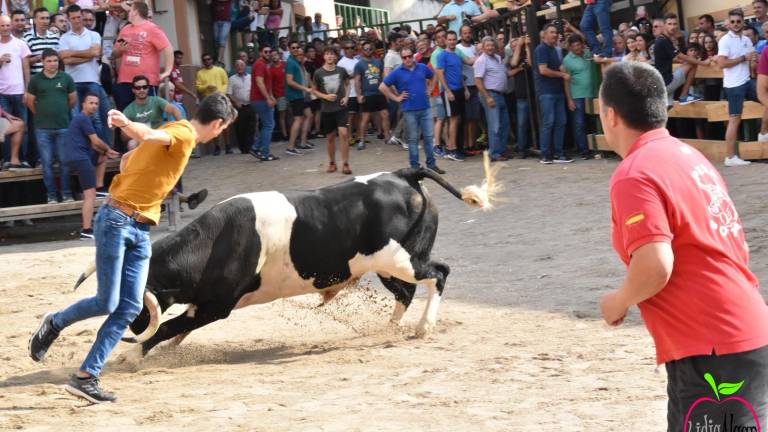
x: 153, y: 170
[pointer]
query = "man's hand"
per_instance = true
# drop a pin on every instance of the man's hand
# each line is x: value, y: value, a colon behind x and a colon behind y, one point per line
x: 330, y: 97
x: 360, y: 99
x: 211, y: 87
x: 571, y: 105
x: 450, y: 95
x: 450, y: 17
x: 271, y: 102
x: 613, y: 313
x: 112, y: 154
x: 402, y: 96
x: 566, y: 77
x: 343, y: 101
x: 491, y: 102
x: 12, y: 117
x: 116, y: 119
x: 165, y: 74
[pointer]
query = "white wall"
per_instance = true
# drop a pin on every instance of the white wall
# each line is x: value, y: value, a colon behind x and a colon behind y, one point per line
x: 402, y: 10
x: 166, y: 20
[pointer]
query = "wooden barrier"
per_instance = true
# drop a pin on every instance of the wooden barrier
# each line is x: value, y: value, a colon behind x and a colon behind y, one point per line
x: 552, y: 12
x: 712, y: 111
x: 712, y: 149
x: 37, y: 211
x: 113, y: 165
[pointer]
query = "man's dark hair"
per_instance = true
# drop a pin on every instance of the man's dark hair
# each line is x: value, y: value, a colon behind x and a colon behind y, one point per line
x: 329, y: 48
x: 38, y: 11
x: 88, y: 11
x: 215, y: 107
x: 736, y: 12
x: 87, y: 95
x: 451, y: 32
x: 138, y: 78
x: 708, y: 18
x: 53, y: 17
x: 696, y: 46
x: 574, y: 38
x: 141, y: 8
x: 73, y: 8
x: 393, y: 37
x: 48, y: 52
x: 549, y: 26
x: 178, y: 52
x: 764, y: 2
x: 637, y: 93
x: 669, y: 16
x: 19, y: 12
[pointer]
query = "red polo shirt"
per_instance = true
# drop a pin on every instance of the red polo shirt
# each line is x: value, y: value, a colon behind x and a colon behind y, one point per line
x: 277, y: 74
x: 666, y: 191
x: 260, y: 69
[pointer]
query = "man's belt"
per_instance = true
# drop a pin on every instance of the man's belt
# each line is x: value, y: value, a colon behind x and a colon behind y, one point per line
x: 129, y: 211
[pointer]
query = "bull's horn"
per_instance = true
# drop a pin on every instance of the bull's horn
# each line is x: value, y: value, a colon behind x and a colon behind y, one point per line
x: 150, y: 301
x: 91, y: 269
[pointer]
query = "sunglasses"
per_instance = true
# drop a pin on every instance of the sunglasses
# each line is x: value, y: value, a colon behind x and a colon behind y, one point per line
x: 367, y: 49
x: 295, y: 47
x: 144, y: 87
x: 406, y: 57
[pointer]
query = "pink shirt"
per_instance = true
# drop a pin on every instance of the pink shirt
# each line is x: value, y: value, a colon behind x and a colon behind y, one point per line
x: 142, y: 54
x: 666, y: 191
x: 12, y: 74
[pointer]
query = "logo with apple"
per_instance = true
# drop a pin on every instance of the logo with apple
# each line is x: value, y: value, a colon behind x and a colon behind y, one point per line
x: 732, y: 410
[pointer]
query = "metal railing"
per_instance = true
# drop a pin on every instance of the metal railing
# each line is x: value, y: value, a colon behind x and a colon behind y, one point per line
x: 368, y: 15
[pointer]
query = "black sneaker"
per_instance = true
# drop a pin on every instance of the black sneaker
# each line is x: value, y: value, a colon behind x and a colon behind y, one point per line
x: 42, y: 338
x: 89, y: 389
x: 437, y: 169
x: 587, y: 156
x: 86, y: 234
x: 562, y: 159
x: 256, y: 154
x: 292, y: 152
x: 545, y: 161
x: 305, y: 147
x: 380, y: 136
x: 196, y: 198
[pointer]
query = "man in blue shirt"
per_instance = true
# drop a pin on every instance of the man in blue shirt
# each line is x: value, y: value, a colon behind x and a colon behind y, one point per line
x: 411, y: 81
x: 551, y: 93
x: 449, y: 73
x: 460, y: 12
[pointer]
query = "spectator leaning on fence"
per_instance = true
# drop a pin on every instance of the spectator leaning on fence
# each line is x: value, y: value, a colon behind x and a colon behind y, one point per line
x: 665, y: 54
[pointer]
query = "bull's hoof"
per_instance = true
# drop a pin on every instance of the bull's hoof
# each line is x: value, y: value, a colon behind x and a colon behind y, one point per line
x: 424, y: 329
x: 132, y: 357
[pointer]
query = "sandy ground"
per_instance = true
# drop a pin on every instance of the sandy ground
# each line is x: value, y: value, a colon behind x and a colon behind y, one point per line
x: 519, y: 343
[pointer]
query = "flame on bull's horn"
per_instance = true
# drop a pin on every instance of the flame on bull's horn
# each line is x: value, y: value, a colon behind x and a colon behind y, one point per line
x: 91, y: 269
x: 483, y: 196
x: 150, y: 301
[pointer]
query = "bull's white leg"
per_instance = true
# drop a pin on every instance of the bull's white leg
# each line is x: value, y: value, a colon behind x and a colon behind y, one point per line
x: 429, y: 317
x: 397, y: 313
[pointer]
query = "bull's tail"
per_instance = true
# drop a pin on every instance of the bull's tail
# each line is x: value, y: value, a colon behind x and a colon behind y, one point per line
x: 91, y: 269
x: 481, y: 197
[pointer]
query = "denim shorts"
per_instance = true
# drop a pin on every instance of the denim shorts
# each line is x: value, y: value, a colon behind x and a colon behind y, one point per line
x: 438, y: 108
x: 221, y: 32
x: 678, y: 79
x: 737, y: 95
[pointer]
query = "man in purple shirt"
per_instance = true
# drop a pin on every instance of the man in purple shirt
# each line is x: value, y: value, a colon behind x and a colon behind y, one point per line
x: 491, y: 80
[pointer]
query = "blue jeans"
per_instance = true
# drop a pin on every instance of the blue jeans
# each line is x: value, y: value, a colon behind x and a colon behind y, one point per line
x: 598, y: 14
x: 13, y: 104
x: 523, y: 125
x: 221, y: 32
x: 498, y: 124
x: 266, y: 115
x: 99, y: 120
x: 577, y: 125
x: 552, y: 107
x: 123, y: 250
x: 415, y: 120
x: 50, y: 145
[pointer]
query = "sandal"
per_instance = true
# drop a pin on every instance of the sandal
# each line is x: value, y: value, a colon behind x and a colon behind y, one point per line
x: 345, y: 169
x: 331, y: 167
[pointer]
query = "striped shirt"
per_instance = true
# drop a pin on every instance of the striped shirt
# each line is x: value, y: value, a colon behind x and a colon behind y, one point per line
x: 37, y: 44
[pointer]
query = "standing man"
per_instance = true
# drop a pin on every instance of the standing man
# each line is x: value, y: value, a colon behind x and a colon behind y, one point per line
x: 760, y: 9
x: 319, y: 28
x: 367, y: 80
x: 80, y: 50
x: 473, y: 104
x: 86, y: 154
x: 735, y: 52
x: 392, y: 60
x: 490, y: 76
x: 123, y: 246
x: 180, y: 89
x: 665, y: 54
x: 549, y: 84
x: 348, y: 62
x: 598, y: 13
x: 577, y: 63
x: 19, y: 23
x: 296, y: 91
x: 210, y: 79
x: 520, y: 64
x: 264, y: 104
x: 148, y: 110
x: 50, y: 96
x: 454, y: 94
x: 140, y: 46
x: 331, y: 85
x: 686, y: 255
x: 454, y: 13
x: 239, y: 92
x: 277, y: 74
x: 40, y: 38
x: 411, y: 81
x: 707, y: 24
x: 14, y: 76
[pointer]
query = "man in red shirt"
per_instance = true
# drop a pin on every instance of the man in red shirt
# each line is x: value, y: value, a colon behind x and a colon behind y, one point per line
x: 277, y: 73
x: 139, y: 47
x: 677, y: 230
x: 263, y: 102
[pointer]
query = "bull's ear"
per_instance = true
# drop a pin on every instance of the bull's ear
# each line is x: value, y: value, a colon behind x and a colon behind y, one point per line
x: 141, y: 322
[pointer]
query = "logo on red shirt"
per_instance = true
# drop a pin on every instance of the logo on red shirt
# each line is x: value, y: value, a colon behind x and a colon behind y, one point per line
x: 722, y: 212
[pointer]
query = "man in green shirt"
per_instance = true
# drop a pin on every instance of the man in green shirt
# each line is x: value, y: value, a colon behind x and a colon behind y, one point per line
x: 579, y: 66
x: 148, y: 110
x: 51, y: 96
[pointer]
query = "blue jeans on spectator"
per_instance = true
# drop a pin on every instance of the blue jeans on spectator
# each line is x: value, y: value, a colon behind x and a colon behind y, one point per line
x: 50, y: 145
x: 13, y: 104
x: 498, y: 124
x: 100, y: 119
x: 598, y: 13
x: 552, y: 131
x: 123, y: 250
x: 577, y: 125
x: 523, y: 125
x: 266, y: 115
x: 221, y: 32
x: 416, y: 121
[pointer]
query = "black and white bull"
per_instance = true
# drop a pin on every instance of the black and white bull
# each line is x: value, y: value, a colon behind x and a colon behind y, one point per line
x: 259, y: 247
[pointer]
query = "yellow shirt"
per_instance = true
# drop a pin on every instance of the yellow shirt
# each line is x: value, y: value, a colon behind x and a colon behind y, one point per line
x: 215, y: 76
x: 153, y: 170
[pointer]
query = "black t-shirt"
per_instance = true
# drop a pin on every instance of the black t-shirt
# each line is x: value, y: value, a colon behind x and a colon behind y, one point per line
x: 664, y: 52
x: 522, y: 79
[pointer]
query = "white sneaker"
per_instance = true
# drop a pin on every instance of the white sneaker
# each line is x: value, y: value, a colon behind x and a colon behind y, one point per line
x: 762, y: 137
x: 735, y: 161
